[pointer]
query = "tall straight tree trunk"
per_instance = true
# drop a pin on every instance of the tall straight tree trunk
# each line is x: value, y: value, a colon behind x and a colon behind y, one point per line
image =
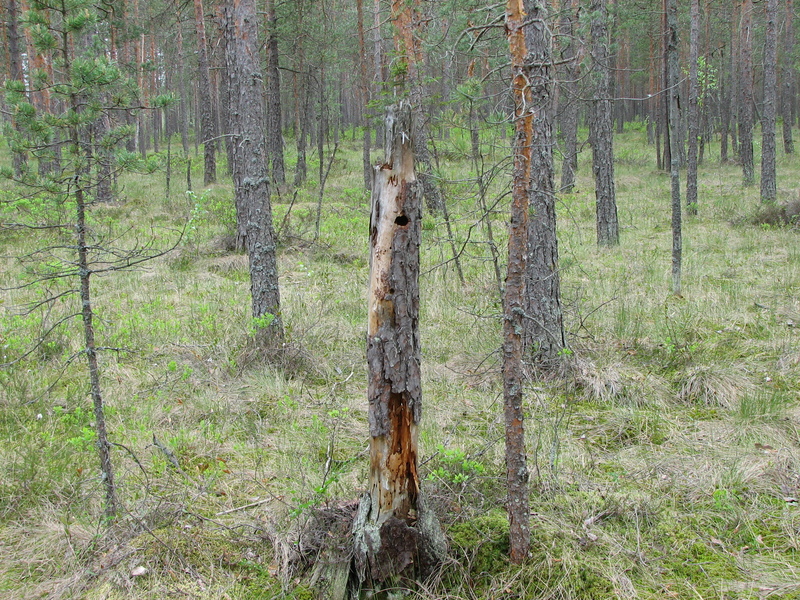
x: 302, y: 101
x: 250, y: 172
x: 735, y: 78
x: 768, y: 150
x: 569, y: 97
x: 275, y: 122
x: 378, y: 62
x: 514, y: 303
x: 674, y: 118
x: 301, y: 167
x: 601, y: 132
x: 746, y: 106
x: 183, y: 104
x: 694, y: 117
x: 364, y: 81
x: 207, y: 126
x: 544, y: 328
x: 15, y: 69
x: 408, y: 22
x: 394, y: 532
x: 788, y: 78
x: 725, y: 117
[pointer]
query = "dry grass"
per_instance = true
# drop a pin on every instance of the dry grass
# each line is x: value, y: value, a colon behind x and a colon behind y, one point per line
x: 663, y: 465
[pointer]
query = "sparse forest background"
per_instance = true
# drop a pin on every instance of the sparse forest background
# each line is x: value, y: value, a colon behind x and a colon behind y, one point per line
x: 661, y: 391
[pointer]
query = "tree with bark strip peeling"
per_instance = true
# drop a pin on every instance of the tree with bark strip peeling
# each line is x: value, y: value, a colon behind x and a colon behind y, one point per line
x: 394, y: 533
x: 514, y: 299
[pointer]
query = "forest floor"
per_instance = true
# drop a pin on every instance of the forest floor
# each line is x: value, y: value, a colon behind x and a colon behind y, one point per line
x: 664, y: 464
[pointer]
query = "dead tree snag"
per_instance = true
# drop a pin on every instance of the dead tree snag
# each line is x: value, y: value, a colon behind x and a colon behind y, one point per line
x: 394, y: 535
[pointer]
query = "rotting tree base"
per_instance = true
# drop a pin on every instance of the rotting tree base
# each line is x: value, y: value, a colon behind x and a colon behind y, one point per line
x: 408, y: 549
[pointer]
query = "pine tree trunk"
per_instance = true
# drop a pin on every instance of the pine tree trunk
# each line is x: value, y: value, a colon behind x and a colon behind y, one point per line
x: 674, y: 118
x: 183, y: 107
x: 746, y: 106
x: 694, y: 117
x: 15, y: 73
x: 569, y: 97
x: 364, y: 81
x: 544, y: 330
x: 725, y: 118
x: 407, y: 22
x: 768, y: 149
x: 601, y: 131
x: 394, y: 533
x: 275, y: 122
x: 788, y: 78
x: 514, y: 301
x: 207, y: 126
x: 250, y: 172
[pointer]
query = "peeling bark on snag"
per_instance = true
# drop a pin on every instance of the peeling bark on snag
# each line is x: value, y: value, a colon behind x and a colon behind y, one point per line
x: 394, y: 534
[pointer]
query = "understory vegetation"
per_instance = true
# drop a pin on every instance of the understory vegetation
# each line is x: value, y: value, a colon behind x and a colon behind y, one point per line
x: 665, y: 463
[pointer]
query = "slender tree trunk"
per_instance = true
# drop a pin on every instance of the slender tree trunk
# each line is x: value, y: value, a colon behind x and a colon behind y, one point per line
x: 407, y: 23
x: 394, y: 532
x: 250, y: 172
x: 570, y: 94
x: 104, y: 159
x: 673, y: 77
x: 364, y: 81
x: 725, y: 118
x: 302, y: 102
x: 735, y: 80
x: 694, y: 92
x: 746, y: 106
x: 301, y: 168
x: 15, y: 73
x: 788, y: 78
x: 486, y: 218
x: 768, y: 149
x: 183, y: 107
x: 207, y: 127
x: 601, y: 131
x: 544, y: 328
x: 81, y: 145
x: 103, y: 446
x: 514, y: 303
x: 275, y: 122
x: 378, y: 62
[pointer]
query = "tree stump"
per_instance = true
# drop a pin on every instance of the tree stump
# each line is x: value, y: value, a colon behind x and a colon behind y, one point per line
x: 394, y: 534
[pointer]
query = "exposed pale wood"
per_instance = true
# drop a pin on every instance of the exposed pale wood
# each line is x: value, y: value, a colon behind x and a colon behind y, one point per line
x: 393, y: 533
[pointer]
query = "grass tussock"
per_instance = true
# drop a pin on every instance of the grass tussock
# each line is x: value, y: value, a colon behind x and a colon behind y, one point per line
x: 664, y: 456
